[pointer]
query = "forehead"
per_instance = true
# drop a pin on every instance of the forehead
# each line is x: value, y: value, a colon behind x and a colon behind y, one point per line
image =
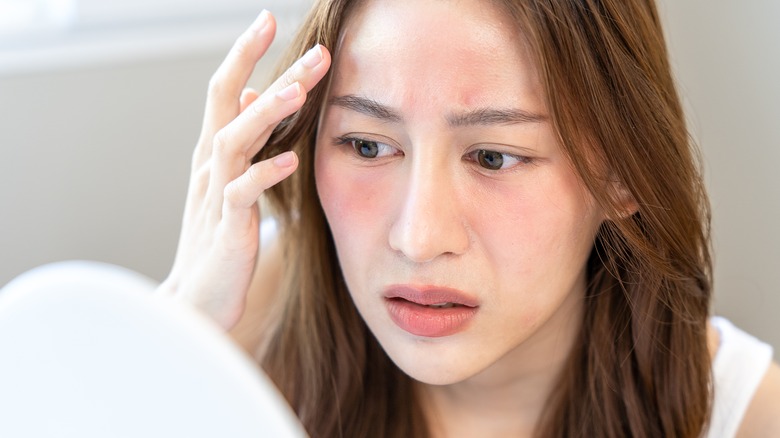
x: 407, y: 50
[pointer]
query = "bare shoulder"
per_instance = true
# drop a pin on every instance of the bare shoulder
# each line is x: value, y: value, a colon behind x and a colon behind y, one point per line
x: 263, y: 293
x: 762, y: 418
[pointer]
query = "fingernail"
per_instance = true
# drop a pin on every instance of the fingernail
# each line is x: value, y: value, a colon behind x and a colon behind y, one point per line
x: 312, y: 57
x: 261, y: 21
x: 290, y: 92
x: 286, y: 159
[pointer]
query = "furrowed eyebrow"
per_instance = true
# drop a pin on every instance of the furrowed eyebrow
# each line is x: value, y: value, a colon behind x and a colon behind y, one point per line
x: 366, y: 106
x: 489, y: 116
x: 483, y: 116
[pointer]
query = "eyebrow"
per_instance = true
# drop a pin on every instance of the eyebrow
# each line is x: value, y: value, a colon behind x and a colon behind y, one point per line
x: 490, y: 116
x: 366, y: 106
x: 482, y: 116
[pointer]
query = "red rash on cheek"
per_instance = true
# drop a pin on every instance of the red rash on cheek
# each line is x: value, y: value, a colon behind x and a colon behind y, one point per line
x: 350, y: 195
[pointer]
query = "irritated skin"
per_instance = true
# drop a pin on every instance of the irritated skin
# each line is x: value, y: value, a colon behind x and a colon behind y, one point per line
x: 437, y: 167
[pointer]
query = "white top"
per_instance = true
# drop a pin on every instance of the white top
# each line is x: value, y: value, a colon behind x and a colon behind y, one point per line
x: 739, y: 366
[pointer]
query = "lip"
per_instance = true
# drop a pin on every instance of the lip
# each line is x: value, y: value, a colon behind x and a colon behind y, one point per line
x: 409, y: 309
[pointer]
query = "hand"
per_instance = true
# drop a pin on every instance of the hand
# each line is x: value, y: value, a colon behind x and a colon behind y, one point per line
x: 219, y: 241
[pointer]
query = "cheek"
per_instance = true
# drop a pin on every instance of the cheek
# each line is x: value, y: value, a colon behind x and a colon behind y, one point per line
x: 352, y: 201
x: 540, y: 229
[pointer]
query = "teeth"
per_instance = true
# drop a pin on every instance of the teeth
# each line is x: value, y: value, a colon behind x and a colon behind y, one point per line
x: 442, y: 305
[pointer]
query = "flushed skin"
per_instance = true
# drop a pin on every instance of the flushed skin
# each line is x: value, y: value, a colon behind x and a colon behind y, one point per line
x: 426, y: 213
x: 645, y: 272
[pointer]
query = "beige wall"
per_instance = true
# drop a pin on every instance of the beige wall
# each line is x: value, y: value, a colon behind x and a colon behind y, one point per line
x: 727, y: 58
x: 95, y: 162
x: 96, y: 139
x: 95, y: 159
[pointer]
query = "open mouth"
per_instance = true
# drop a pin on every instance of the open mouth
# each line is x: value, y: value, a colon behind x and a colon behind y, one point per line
x: 428, y: 317
x: 444, y: 305
x: 431, y: 296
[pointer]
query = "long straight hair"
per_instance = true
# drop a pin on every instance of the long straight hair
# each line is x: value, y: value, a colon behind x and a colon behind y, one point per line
x: 641, y: 367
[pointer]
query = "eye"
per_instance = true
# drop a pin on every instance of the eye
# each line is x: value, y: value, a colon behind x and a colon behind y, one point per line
x: 365, y: 148
x: 368, y: 149
x: 493, y: 160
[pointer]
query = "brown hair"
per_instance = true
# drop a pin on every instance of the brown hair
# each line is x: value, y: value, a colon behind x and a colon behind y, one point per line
x: 641, y: 367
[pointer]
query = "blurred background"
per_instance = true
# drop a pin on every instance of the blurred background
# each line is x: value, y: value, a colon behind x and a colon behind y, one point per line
x: 101, y: 104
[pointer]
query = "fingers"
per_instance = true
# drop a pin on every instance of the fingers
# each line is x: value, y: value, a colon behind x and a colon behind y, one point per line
x: 238, y: 121
x: 308, y: 70
x: 247, y: 97
x: 236, y: 144
x: 222, y: 103
x: 242, y: 193
x: 258, y: 120
x: 230, y: 157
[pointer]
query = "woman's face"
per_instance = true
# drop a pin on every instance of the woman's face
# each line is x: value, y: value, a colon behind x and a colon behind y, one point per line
x: 462, y: 230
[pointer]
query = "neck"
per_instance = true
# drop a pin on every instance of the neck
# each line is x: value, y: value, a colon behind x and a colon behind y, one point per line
x: 509, y: 397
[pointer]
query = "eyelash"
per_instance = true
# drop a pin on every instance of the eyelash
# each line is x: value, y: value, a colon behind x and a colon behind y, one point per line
x: 519, y: 160
x: 351, y: 141
x: 473, y: 156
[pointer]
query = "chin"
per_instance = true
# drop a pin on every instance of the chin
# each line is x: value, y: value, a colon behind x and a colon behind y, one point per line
x: 434, y: 376
x: 433, y: 368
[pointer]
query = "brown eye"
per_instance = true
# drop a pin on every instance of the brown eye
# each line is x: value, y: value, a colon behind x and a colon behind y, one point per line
x: 490, y: 159
x: 366, y: 149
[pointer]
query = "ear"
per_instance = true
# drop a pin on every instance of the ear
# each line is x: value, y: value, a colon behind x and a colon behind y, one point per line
x: 624, y: 200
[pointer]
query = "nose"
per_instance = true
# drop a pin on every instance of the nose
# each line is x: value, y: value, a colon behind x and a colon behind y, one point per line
x: 430, y: 222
